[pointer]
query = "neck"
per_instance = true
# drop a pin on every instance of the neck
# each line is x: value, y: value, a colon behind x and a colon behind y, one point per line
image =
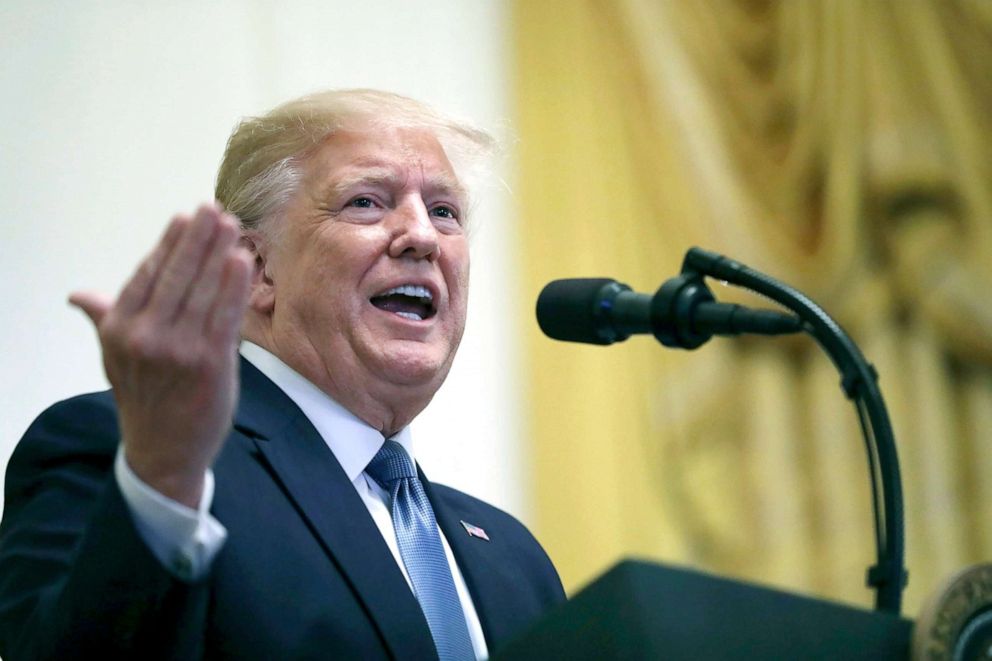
x: 386, y: 407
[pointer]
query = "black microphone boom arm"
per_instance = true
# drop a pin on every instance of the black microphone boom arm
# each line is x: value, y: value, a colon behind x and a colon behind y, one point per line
x: 859, y: 381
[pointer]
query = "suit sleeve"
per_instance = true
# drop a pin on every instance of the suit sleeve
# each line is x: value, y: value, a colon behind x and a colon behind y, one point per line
x: 76, y: 579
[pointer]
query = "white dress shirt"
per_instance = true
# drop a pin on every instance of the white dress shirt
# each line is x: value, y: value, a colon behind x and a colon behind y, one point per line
x: 186, y: 541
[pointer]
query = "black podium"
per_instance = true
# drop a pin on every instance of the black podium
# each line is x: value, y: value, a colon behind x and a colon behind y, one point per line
x: 640, y: 610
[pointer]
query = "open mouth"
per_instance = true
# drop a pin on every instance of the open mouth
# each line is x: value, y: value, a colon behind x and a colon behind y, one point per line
x: 413, y: 302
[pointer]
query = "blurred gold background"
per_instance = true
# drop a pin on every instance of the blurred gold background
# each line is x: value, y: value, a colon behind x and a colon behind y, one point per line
x: 843, y: 147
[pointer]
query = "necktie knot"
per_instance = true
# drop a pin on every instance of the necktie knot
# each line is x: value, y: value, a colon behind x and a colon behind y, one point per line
x: 391, y: 463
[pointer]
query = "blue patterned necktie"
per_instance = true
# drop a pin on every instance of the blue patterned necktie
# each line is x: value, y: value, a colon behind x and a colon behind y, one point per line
x: 422, y: 553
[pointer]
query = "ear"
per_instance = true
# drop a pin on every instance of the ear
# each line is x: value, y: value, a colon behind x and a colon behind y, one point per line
x: 262, y: 298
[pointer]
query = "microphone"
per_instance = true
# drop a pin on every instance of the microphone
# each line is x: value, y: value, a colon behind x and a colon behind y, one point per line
x: 682, y: 314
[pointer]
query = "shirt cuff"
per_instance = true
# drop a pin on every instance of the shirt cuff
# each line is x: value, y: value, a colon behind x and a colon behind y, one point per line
x: 184, y: 540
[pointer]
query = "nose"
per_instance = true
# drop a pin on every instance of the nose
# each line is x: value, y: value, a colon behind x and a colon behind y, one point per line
x: 414, y: 235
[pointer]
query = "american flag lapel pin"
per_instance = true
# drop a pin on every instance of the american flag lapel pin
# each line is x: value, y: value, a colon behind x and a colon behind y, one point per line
x: 474, y: 531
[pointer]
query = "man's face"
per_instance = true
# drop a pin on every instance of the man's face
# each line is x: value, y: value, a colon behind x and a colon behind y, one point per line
x: 369, y: 264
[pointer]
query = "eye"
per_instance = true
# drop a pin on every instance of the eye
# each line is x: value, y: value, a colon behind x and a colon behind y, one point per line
x: 362, y: 202
x: 445, y: 211
x: 362, y: 208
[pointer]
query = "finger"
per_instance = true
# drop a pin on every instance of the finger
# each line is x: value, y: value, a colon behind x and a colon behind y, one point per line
x: 94, y: 305
x: 228, y: 309
x: 137, y: 290
x: 180, y: 270
x: 209, y: 280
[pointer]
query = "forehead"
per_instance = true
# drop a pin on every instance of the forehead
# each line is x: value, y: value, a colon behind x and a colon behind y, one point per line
x: 388, y: 155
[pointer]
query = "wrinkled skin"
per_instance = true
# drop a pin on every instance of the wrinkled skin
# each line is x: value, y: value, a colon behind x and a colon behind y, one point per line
x: 376, y: 210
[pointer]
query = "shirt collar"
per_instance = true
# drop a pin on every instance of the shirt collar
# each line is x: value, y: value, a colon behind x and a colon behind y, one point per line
x: 352, y: 441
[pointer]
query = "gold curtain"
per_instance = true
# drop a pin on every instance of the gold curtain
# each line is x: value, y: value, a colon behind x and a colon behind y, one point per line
x: 842, y: 146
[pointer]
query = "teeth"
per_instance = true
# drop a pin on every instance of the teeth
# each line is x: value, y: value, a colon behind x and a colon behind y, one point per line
x: 417, y: 291
x: 410, y: 315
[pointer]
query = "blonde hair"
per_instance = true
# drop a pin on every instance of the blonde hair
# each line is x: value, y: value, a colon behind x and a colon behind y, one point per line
x: 262, y: 164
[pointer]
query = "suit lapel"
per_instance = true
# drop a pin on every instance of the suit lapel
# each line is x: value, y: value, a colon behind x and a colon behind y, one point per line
x: 333, y: 510
x: 483, y: 564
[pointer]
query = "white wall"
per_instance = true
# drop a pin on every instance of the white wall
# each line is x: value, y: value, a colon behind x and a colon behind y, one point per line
x: 114, y: 117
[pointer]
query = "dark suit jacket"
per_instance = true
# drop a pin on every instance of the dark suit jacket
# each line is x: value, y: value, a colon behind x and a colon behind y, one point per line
x: 304, y: 573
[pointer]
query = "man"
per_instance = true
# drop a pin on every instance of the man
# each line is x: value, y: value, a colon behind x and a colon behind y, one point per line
x: 141, y: 523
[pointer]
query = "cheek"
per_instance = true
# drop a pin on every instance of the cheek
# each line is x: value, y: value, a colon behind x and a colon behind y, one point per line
x: 459, y: 294
x: 458, y: 264
x: 319, y: 292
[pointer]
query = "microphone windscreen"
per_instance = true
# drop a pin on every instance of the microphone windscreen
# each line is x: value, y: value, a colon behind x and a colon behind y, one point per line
x: 567, y: 309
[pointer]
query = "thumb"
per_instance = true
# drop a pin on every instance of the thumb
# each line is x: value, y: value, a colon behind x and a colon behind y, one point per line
x: 93, y: 304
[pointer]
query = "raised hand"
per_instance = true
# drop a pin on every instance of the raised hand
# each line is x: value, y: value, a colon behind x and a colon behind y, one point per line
x: 169, y: 349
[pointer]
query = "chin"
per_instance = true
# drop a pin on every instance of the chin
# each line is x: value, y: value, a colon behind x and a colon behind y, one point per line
x: 416, y: 367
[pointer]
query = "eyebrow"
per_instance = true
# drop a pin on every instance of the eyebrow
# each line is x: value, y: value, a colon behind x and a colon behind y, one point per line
x: 441, y: 183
